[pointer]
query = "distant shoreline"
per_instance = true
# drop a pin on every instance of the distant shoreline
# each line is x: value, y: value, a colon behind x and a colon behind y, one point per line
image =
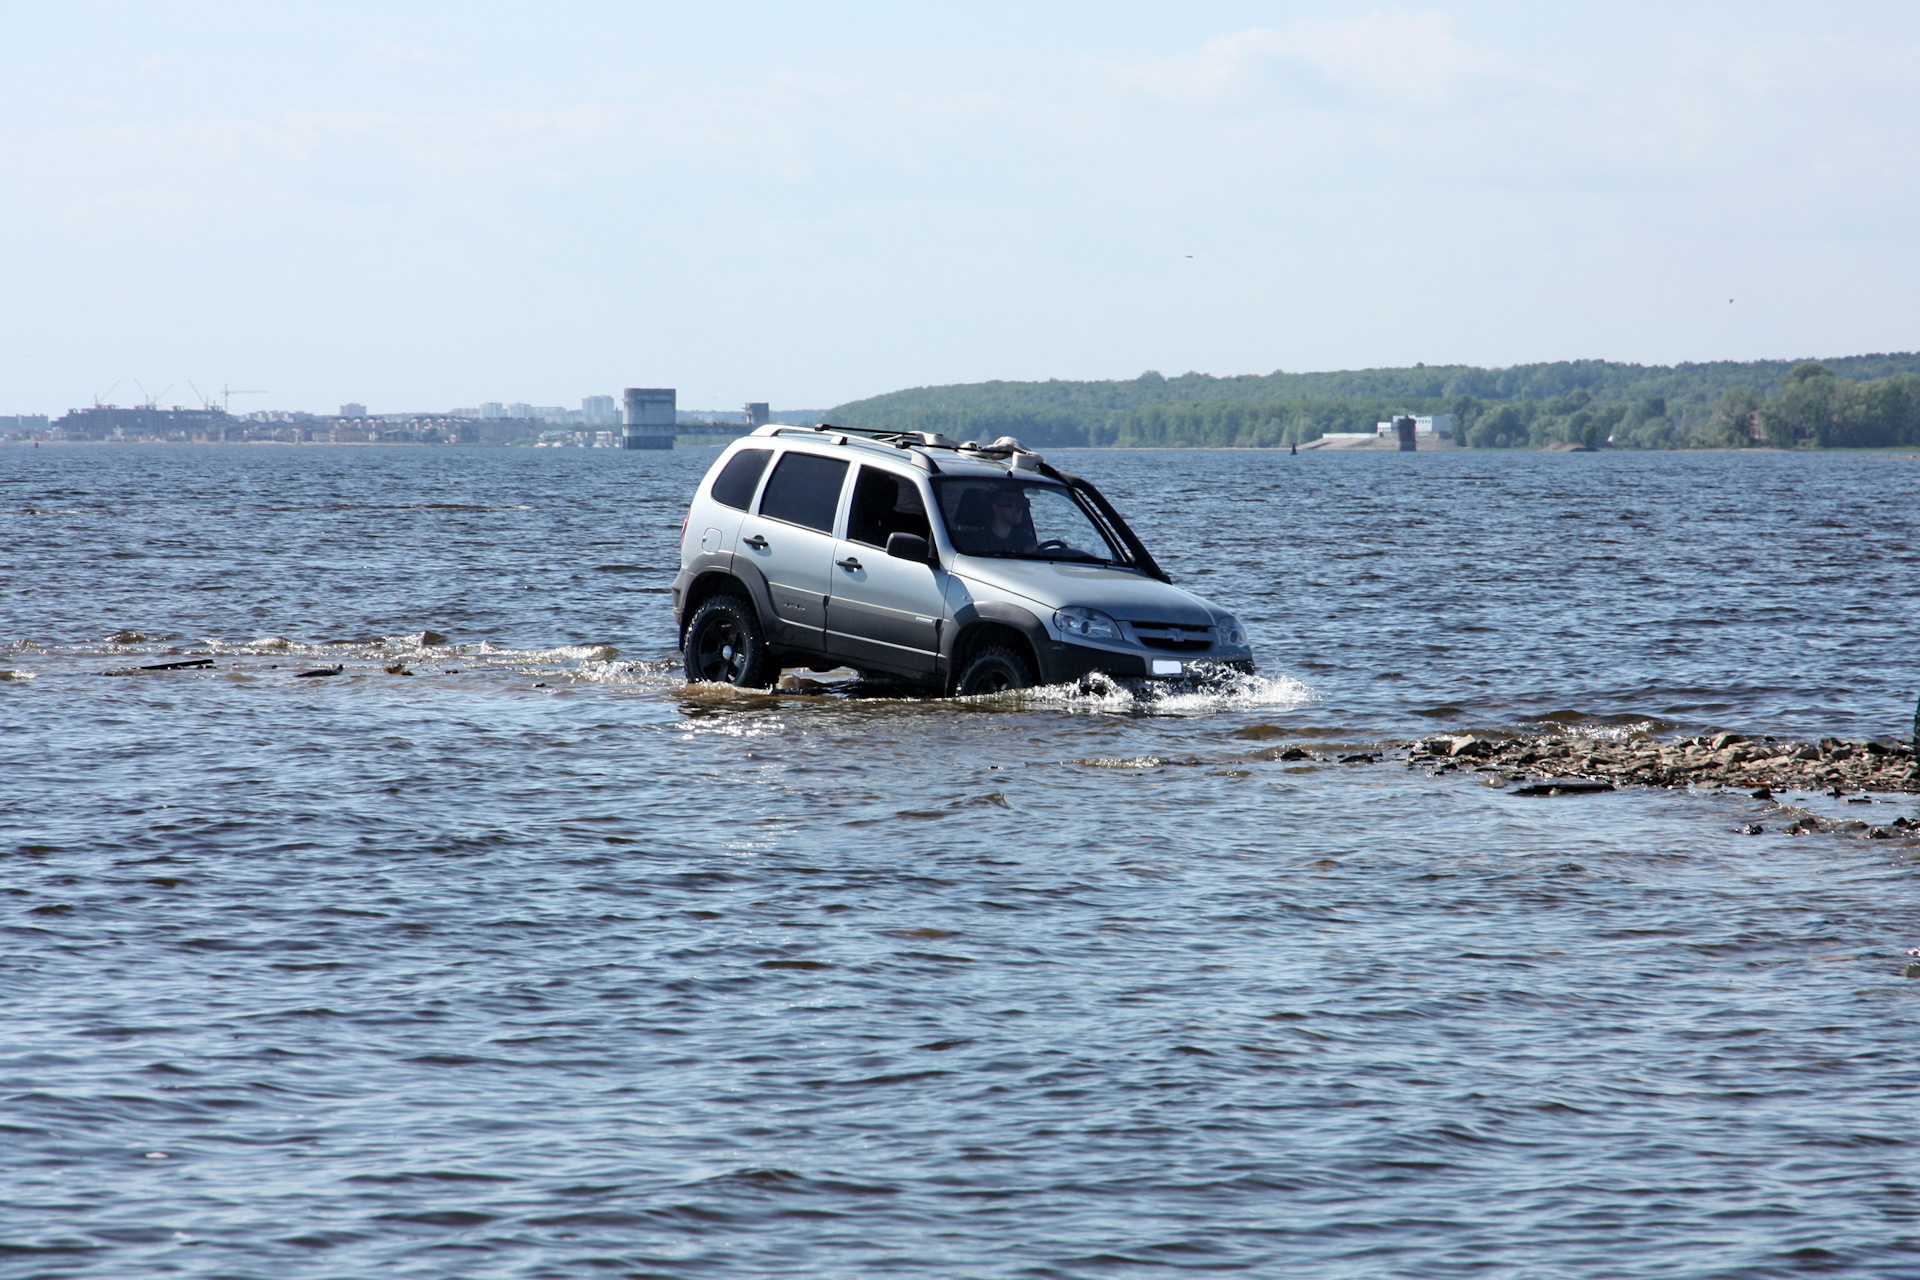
x: 1908, y: 452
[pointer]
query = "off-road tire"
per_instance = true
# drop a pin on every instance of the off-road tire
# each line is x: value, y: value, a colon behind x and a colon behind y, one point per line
x: 725, y: 645
x: 993, y: 670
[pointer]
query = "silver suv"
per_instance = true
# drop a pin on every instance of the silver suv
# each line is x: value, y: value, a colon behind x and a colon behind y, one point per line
x: 956, y: 567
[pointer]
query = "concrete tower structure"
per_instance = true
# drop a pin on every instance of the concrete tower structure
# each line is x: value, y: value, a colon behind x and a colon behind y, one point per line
x: 652, y: 415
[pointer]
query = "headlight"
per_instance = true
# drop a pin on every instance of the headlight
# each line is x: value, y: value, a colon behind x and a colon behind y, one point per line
x: 1085, y: 624
x: 1231, y: 632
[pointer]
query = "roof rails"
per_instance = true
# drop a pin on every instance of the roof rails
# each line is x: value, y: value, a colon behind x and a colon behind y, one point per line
x: 1006, y: 449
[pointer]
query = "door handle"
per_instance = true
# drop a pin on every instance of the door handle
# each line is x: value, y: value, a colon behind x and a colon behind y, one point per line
x: 849, y: 563
x: 757, y: 542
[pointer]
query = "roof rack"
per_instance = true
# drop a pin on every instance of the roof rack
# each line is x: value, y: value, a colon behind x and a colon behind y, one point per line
x: 1005, y: 449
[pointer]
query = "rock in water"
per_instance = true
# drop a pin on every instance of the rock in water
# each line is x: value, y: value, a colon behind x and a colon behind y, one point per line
x: 1562, y: 787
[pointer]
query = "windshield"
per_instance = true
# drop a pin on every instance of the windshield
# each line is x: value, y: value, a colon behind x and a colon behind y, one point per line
x: 989, y: 516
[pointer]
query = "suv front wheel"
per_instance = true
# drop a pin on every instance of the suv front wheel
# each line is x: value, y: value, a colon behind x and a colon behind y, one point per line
x: 993, y: 670
x: 725, y: 644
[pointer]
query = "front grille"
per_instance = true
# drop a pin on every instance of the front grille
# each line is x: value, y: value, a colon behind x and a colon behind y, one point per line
x: 1173, y: 637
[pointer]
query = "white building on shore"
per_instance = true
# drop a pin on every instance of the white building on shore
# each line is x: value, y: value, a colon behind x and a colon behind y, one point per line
x: 1439, y: 424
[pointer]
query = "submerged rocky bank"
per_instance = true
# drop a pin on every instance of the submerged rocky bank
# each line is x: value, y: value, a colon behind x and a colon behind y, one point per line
x: 1724, y: 760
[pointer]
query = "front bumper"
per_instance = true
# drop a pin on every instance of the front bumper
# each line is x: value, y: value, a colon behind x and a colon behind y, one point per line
x: 1063, y: 663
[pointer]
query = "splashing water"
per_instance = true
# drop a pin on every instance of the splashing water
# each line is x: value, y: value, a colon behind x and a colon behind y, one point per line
x: 1216, y: 692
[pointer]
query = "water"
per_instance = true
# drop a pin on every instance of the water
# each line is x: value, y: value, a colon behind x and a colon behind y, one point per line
x: 535, y: 963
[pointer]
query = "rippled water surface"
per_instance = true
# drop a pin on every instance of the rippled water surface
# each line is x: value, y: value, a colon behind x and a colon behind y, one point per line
x: 534, y: 962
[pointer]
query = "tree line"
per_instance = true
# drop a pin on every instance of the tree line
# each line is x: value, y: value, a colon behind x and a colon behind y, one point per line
x: 1856, y: 402
x: 1811, y: 407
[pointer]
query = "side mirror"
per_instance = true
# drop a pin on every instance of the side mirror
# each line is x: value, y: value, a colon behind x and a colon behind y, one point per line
x: 909, y: 546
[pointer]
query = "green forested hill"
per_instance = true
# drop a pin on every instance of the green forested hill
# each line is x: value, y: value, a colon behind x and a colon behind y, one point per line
x: 1648, y: 406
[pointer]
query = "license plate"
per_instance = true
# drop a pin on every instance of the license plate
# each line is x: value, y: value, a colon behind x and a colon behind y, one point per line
x: 1165, y: 667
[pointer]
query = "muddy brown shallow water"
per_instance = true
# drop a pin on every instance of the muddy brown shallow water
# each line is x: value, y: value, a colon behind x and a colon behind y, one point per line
x: 501, y: 952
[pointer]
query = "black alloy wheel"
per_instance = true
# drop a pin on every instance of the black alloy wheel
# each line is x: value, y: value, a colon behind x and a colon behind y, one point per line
x: 725, y: 644
x: 994, y: 670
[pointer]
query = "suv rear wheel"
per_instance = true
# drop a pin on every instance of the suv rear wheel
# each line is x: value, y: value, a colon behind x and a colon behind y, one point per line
x: 993, y: 670
x: 725, y: 644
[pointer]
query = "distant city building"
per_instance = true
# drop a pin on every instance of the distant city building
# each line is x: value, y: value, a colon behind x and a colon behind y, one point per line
x: 492, y: 409
x: 351, y: 410
x: 651, y: 418
x: 759, y: 413
x: 520, y: 411
x: 110, y: 422
x: 22, y: 423
x: 552, y: 413
x: 599, y: 411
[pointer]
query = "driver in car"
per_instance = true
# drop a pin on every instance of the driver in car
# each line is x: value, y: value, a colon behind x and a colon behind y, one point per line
x: 1010, y: 525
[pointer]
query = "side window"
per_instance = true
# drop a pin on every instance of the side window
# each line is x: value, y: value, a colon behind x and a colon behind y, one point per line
x: 884, y: 504
x: 735, y: 484
x: 804, y: 490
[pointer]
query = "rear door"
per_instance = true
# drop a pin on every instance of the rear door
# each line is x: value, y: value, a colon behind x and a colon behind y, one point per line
x: 790, y: 540
x: 884, y: 612
x: 714, y: 525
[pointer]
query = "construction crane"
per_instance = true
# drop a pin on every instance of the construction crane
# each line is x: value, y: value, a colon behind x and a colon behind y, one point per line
x: 228, y: 393
x: 152, y: 401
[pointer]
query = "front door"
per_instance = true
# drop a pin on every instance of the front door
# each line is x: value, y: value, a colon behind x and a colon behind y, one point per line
x: 882, y: 612
x: 790, y: 540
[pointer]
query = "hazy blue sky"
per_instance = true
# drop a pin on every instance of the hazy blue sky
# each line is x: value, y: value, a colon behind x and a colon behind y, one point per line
x: 428, y: 205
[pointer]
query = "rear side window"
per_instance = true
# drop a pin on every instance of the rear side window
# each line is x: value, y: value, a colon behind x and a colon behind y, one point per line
x: 735, y: 484
x: 804, y: 490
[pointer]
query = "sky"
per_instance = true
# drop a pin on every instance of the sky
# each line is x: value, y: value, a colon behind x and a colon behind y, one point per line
x: 422, y: 206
